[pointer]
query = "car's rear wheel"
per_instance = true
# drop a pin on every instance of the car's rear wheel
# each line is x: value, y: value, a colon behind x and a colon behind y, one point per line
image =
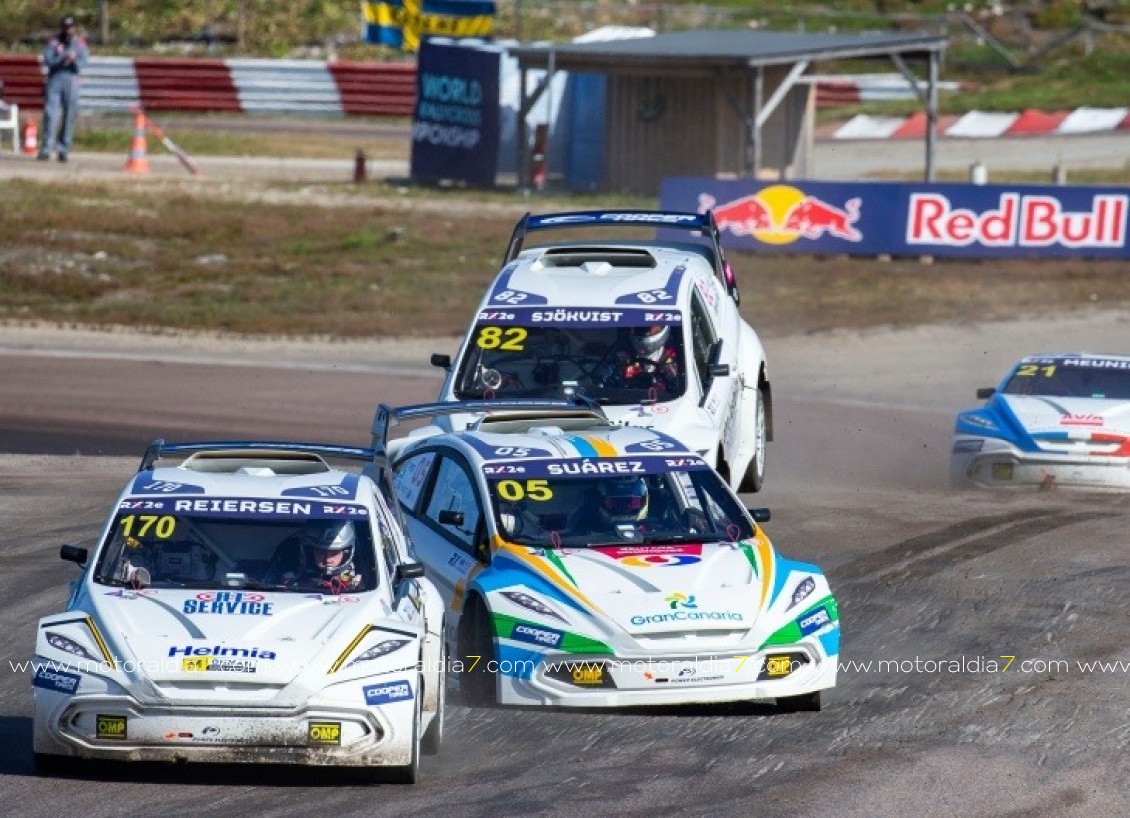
x: 754, y: 476
x: 433, y: 736
x: 804, y: 703
x: 479, y: 684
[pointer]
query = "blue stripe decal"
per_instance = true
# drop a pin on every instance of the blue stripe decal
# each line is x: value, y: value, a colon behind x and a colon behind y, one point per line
x: 507, y: 573
x: 517, y: 662
x: 786, y: 567
x: 584, y: 448
x: 830, y: 641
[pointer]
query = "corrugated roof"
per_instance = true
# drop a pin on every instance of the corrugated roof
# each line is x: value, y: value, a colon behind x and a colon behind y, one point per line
x: 727, y: 47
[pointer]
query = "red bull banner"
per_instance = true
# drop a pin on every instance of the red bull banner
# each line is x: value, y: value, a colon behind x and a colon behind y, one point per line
x: 907, y: 219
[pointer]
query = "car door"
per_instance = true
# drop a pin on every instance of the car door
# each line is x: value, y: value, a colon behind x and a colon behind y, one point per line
x: 445, y: 520
x: 711, y: 349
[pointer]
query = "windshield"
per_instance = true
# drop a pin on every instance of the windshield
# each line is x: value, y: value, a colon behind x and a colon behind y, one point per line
x: 577, y: 512
x: 163, y: 548
x: 611, y: 364
x: 1104, y: 378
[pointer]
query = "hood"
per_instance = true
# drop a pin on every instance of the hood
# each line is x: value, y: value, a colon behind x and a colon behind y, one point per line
x: 1096, y: 426
x: 669, y: 588
x: 194, y: 635
x: 682, y: 419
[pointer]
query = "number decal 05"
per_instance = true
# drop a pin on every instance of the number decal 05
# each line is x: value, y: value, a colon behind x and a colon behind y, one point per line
x: 515, y: 490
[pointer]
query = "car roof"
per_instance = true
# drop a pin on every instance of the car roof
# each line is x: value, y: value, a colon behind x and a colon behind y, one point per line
x: 600, y: 274
x: 508, y: 438
x: 1081, y: 356
x: 247, y: 469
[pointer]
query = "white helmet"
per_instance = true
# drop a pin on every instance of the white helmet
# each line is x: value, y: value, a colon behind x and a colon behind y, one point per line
x: 649, y: 341
x: 329, y: 536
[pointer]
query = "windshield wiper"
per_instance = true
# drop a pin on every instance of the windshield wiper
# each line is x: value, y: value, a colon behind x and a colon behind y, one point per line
x: 680, y: 539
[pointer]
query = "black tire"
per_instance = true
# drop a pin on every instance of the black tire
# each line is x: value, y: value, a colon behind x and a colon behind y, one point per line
x: 52, y: 765
x: 754, y: 477
x: 479, y: 685
x: 433, y: 736
x: 804, y: 703
x: 410, y: 772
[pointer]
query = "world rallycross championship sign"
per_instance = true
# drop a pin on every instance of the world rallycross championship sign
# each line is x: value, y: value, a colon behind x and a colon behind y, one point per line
x: 405, y: 23
x: 455, y: 126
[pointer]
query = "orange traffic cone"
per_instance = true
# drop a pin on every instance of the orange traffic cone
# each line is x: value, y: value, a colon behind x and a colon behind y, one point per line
x: 138, y: 161
x: 31, y: 137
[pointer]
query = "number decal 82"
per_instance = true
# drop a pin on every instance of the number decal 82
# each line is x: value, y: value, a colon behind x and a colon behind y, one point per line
x: 510, y: 340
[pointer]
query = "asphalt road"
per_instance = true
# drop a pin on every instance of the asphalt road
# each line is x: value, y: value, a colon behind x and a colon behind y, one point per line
x: 939, y: 585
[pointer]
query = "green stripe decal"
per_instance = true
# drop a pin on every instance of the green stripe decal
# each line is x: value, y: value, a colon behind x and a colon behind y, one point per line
x: 791, y: 632
x: 556, y: 560
x: 570, y: 642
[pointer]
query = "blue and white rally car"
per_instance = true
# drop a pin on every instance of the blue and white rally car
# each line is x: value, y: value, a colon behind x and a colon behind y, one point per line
x: 587, y: 564
x: 649, y: 328
x: 251, y: 604
x: 1056, y: 419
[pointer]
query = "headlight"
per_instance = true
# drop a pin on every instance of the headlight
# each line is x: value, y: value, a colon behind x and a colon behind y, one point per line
x: 535, y: 605
x: 806, y: 587
x: 60, y: 642
x: 968, y: 445
x: 977, y: 420
x: 380, y: 649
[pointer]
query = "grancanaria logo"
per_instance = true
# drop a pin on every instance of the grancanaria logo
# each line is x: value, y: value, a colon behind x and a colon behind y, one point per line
x: 781, y: 214
x: 680, y: 600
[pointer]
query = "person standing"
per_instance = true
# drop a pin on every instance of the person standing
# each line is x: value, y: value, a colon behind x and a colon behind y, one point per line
x: 65, y: 58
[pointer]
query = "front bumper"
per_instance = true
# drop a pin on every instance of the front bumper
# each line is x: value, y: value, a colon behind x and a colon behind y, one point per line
x: 573, y: 680
x: 116, y: 727
x: 1010, y: 468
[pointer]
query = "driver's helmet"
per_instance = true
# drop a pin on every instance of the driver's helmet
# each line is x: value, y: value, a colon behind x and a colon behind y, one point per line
x: 648, y: 342
x: 323, y: 538
x: 623, y: 500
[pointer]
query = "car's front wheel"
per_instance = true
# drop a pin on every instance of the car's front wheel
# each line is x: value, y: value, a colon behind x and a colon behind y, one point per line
x: 754, y: 476
x: 804, y: 703
x: 410, y: 772
x: 52, y: 765
x: 433, y: 736
x: 479, y: 684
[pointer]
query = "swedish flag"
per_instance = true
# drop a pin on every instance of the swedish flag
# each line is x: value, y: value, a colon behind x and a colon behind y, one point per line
x: 403, y: 23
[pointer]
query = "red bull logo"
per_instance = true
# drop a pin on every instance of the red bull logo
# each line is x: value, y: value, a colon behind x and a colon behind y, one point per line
x: 782, y: 214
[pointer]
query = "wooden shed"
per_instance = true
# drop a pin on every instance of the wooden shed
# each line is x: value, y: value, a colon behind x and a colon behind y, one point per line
x: 715, y: 103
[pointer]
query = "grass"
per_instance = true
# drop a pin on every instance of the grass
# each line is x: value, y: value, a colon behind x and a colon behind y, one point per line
x: 378, y: 262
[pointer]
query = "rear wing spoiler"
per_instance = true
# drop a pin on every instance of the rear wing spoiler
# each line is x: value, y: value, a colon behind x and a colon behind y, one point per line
x: 388, y: 417
x: 702, y: 223
x: 159, y: 448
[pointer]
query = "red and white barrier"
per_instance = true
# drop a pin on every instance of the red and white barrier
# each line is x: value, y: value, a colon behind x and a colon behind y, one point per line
x: 113, y: 84
x: 984, y: 125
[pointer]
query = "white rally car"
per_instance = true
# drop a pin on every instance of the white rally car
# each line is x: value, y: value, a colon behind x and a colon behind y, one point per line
x: 648, y: 328
x: 1056, y: 419
x: 251, y: 604
x: 588, y: 564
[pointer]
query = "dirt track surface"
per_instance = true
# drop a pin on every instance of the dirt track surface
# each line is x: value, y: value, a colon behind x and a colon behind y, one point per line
x: 940, y: 585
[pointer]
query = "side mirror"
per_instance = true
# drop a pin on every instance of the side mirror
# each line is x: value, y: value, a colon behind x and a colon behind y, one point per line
x: 74, y: 553
x: 986, y: 392
x: 449, y: 517
x: 760, y: 515
x: 441, y: 360
x: 406, y: 571
x: 718, y: 370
